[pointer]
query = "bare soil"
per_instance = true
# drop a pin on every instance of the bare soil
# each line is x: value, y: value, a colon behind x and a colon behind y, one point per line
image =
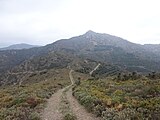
x: 52, y: 111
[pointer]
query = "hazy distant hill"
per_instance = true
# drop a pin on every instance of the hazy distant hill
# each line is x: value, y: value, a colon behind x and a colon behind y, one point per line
x: 19, y: 46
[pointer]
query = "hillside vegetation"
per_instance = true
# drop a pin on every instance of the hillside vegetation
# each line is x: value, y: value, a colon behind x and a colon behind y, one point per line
x: 26, y: 101
x: 28, y: 77
x: 95, y: 46
x: 134, y: 99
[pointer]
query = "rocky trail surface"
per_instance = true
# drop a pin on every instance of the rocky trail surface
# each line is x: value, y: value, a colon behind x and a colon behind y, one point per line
x: 62, y: 104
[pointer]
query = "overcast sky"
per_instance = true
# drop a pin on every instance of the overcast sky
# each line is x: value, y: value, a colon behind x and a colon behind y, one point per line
x: 44, y: 21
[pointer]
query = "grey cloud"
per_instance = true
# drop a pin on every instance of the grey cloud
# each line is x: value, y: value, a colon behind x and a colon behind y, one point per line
x: 44, y: 21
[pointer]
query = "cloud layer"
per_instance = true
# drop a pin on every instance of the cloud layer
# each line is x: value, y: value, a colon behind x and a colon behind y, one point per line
x: 44, y: 21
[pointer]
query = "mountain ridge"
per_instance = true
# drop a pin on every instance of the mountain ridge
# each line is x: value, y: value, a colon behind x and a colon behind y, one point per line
x: 91, y: 45
x: 19, y: 46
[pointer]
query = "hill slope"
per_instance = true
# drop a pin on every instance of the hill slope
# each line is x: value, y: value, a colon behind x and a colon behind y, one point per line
x: 111, y: 49
x: 99, y: 47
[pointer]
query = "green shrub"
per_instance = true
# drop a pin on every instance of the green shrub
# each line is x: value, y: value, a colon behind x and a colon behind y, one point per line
x: 26, y: 102
x: 98, y: 110
x: 117, y: 100
x: 69, y: 116
x: 108, y: 114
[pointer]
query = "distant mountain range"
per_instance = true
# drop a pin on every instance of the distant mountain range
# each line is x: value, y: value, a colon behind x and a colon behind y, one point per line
x: 19, y: 46
x: 115, y: 50
x: 77, y: 52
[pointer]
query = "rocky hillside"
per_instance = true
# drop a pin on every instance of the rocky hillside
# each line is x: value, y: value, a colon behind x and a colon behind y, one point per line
x: 155, y: 48
x: 109, y: 50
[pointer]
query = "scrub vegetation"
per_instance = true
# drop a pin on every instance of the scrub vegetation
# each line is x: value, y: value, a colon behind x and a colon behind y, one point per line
x: 26, y: 102
x: 119, y: 99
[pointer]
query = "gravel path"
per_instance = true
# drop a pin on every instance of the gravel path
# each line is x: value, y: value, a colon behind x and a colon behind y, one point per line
x: 79, y: 110
x: 95, y: 68
x: 52, y: 111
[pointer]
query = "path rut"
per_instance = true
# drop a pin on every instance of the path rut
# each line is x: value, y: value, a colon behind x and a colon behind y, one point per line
x: 52, y: 111
x: 78, y: 110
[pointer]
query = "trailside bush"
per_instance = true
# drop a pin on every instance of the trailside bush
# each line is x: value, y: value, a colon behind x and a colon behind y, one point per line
x: 26, y: 102
x: 119, y: 100
x: 69, y: 117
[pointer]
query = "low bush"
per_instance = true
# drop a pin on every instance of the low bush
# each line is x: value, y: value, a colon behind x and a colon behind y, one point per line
x: 27, y: 101
x: 118, y: 100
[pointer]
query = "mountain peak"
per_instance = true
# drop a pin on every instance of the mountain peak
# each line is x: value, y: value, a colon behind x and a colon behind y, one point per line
x: 90, y: 32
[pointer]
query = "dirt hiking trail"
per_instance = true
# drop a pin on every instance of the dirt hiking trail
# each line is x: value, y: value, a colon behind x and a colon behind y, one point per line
x: 53, y: 112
